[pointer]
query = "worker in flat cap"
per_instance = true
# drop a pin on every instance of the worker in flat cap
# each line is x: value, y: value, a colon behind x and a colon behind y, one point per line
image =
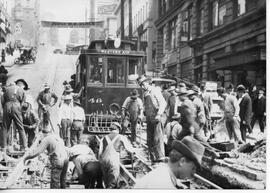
x: 184, y: 159
x: 245, y: 113
x: 154, y: 105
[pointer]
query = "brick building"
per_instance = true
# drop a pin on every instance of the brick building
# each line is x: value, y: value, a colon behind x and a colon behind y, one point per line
x: 229, y: 41
x: 222, y: 40
x: 5, y: 26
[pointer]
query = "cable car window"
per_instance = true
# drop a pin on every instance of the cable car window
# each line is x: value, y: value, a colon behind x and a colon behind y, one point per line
x: 134, y: 67
x: 95, y: 70
x: 115, y: 73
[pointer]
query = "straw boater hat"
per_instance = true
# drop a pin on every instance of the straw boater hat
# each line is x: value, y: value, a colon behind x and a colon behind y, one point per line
x: 190, y: 148
x: 46, y: 86
x: 24, y: 83
x: 68, y: 88
x: 143, y: 79
x: 67, y: 97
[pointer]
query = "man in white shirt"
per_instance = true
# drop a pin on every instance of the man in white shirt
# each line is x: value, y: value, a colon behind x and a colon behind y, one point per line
x: 184, y: 159
x: 154, y: 105
x: 78, y: 122
x: 65, y: 119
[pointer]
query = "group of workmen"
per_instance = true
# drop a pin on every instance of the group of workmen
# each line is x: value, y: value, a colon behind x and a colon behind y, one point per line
x: 178, y: 126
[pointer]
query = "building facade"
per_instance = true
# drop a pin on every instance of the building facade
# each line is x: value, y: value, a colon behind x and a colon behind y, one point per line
x: 26, y: 22
x: 135, y: 21
x: 5, y: 25
x: 219, y: 40
x: 173, y: 33
x: 229, y: 42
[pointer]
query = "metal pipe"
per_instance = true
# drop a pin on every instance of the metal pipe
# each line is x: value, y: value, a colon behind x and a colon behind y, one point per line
x: 207, y: 182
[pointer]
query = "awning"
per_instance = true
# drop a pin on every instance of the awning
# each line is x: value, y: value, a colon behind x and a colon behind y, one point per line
x: 247, y: 57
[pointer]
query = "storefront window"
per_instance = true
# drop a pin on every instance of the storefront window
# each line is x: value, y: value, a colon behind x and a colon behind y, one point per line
x: 95, y: 70
x: 115, y: 73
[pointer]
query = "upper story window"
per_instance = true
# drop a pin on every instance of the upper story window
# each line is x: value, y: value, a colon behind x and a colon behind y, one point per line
x: 163, y: 7
x: 200, y: 19
x: 244, y: 6
x: 218, y: 13
x: 173, y: 39
x: 186, y: 25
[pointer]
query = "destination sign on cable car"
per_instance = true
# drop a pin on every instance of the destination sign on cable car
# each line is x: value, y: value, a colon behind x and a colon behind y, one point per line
x: 115, y: 52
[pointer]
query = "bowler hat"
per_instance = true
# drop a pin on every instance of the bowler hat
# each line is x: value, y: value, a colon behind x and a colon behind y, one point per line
x: 241, y: 88
x: 142, y: 79
x: 134, y: 93
x: 77, y: 101
x: 190, y: 148
x: 176, y: 116
x: 24, y: 83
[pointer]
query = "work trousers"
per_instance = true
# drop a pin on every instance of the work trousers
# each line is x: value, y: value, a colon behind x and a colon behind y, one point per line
x: 260, y: 119
x: 155, y: 140
x: 30, y: 135
x: 59, y: 175
x: 92, y: 175
x: 65, y: 131
x: 133, y: 128
x: 233, y: 129
x: 110, y: 175
x: 14, y: 113
x: 76, y: 132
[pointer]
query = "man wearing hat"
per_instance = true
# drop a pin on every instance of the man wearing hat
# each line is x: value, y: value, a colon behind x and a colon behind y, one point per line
x: 69, y: 91
x: 184, y: 159
x: 133, y: 107
x: 65, y: 119
x: 245, y: 113
x: 58, y: 156
x: 173, y: 131
x: 154, y: 105
x: 200, y: 113
x: 172, y: 101
x: 78, y: 122
x: 45, y: 100
x: 109, y: 155
x: 13, y: 98
x: 259, y: 110
x: 30, y: 122
x: 231, y: 115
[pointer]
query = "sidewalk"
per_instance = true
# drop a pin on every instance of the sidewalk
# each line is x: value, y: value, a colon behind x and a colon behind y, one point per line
x: 9, y: 61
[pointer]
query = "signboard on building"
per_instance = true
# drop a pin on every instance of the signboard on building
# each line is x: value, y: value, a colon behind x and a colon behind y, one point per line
x: 106, y: 9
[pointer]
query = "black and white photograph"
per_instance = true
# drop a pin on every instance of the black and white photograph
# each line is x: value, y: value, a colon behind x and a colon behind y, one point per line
x: 133, y: 94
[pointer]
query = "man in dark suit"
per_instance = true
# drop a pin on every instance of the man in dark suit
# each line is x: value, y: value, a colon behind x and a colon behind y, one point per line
x: 259, y: 109
x: 245, y: 111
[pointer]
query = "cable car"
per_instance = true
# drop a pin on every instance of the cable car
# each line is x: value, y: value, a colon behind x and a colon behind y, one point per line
x: 108, y: 71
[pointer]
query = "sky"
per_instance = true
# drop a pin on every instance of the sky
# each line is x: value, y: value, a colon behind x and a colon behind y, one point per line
x: 64, y: 10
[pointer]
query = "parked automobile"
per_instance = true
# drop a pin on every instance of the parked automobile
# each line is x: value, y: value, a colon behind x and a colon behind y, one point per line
x: 58, y: 51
